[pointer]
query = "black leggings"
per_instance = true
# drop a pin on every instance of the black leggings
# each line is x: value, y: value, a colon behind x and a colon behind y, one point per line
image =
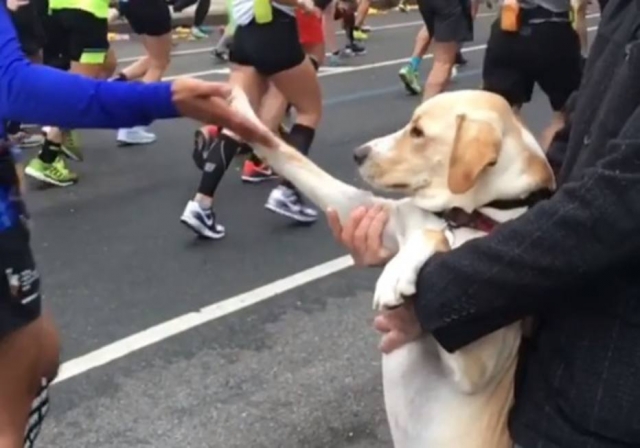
x: 201, y: 10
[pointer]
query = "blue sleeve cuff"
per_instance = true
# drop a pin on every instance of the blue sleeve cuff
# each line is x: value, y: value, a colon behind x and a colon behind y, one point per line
x: 160, y: 100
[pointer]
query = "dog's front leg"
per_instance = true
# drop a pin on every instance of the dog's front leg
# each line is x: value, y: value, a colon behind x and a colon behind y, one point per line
x: 399, y: 277
x: 324, y: 190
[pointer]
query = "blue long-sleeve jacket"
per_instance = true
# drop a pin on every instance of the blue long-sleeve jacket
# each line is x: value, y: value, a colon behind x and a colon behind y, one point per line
x: 37, y: 94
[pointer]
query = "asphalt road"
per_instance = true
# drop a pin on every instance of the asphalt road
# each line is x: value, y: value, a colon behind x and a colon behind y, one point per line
x: 299, y: 369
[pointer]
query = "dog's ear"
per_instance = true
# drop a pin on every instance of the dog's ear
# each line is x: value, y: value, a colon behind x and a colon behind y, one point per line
x: 476, y: 145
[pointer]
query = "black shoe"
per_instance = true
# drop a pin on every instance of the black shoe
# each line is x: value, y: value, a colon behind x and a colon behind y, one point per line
x: 220, y: 55
x: 355, y: 49
x: 460, y: 60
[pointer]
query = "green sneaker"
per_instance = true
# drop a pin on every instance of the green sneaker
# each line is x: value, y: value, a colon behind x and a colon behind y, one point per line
x: 198, y: 33
x: 70, y: 146
x: 55, y: 173
x: 410, y: 80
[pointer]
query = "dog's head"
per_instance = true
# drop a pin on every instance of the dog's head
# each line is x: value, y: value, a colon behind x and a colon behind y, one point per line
x: 460, y: 149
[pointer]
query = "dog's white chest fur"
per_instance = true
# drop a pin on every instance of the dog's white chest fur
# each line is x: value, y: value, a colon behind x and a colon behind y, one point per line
x: 436, y: 399
x: 428, y: 407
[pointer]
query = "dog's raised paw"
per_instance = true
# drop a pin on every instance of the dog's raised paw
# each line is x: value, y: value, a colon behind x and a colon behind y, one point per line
x: 391, y: 286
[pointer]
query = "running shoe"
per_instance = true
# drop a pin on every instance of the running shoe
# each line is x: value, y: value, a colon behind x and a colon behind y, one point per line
x: 360, y: 34
x: 334, y: 59
x: 460, y: 60
x: 220, y: 55
x: 202, y: 221
x: 55, y: 173
x: 356, y: 49
x: 135, y: 136
x: 254, y: 173
x: 287, y: 202
x: 410, y: 79
x: 198, y: 33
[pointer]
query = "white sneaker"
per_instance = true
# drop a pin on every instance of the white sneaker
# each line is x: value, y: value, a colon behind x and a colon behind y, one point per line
x: 287, y: 202
x: 202, y: 221
x: 135, y: 136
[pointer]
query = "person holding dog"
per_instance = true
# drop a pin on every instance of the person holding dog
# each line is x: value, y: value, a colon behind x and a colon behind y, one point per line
x: 571, y: 262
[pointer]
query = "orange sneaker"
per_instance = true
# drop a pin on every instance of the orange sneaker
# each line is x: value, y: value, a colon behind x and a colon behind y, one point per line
x: 254, y: 173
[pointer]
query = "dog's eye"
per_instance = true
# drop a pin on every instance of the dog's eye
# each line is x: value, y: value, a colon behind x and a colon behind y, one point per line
x: 416, y: 132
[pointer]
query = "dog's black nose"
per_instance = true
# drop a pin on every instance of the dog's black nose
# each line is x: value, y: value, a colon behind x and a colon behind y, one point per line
x: 361, y: 153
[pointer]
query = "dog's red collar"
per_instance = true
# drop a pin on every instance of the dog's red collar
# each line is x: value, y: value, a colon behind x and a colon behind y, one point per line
x: 459, y: 218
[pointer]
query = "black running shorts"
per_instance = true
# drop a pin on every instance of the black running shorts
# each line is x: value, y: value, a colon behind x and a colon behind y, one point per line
x: 29, y: 28
x: 79, y: 36
x: 515, y: 62
x: 147, y: 17
x: 447, y: 20
x: 20, y: 302
x: 270, y: 48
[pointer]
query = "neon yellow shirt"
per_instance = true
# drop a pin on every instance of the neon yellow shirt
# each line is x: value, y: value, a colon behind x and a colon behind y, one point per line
x: 99, y: 8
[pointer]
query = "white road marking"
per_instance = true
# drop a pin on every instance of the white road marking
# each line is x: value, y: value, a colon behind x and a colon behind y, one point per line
x: 391, y: 26
x: 188, y: 321
x: 180, y: 324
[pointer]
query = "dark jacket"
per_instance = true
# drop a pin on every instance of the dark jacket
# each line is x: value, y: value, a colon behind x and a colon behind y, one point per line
x: 573, y: 261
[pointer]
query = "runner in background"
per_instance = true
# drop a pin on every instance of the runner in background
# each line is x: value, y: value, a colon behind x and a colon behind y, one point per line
x: 330, y: 39
x: 274, y: 106
x: 200, y: 15
x: 78, y: 31
x: 151, y: 20
x: 517, y: 57
x: 262, y: 27
x: 345, y: 11
x: 361, y: 32
x: 27, y: 20
x: 221, y: 50
x: 447, y: 26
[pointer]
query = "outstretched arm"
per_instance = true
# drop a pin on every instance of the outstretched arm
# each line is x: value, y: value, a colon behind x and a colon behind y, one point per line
x: 38, y: 94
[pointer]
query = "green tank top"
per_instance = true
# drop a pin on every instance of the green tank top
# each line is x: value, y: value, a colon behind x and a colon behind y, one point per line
x: 99, y: 8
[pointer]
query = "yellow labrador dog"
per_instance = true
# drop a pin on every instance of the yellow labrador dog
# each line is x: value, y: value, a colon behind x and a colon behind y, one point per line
x: 462, y: 151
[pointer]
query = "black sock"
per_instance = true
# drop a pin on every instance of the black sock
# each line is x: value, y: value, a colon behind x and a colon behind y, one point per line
x: 245, y: 149
x: 315, y: 63
x: 301, y: 137
x: 201, y: 12
x: 216, y: 163
x: 255, y: 159
x: 349, y: 22
x: 49, y: 151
